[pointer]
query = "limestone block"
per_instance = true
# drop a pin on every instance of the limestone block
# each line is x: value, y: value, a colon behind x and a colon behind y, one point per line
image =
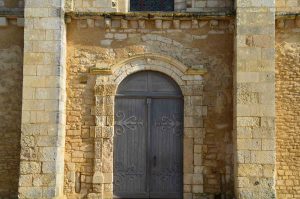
x: 185, y: 24
x: 3, y: 21
x: 212, y: 3
x: 187, y: 188
x: 124, y: 23
x: 268, y: 144
x: 167, y: 24
x: 249, y: 144
x: 48, y: 167
x: 198, y: 149
x: 133, y: 24
x: 200, y: 4
x: 158, y: 23
x: 30, y: 167
x: 120, y: 36
x: 116, y: 23
x: 31, y: 192
x: 47, y: 23
x: 244, y: 132
x: 47, y: 154
x: 187, y: 178
x: 197, y: 159
x: 263, y: 157
x: 98, y: 178
x: 247, y: 170
x: 25, y: 180
x: 268, y: 171
x: 108, y: 194
x: 194, y: 121
x: 107, y: 132
x: 44, y: 180
x: 187, y: 196
x: 99, y: 22
x: 197, y: 179
x: 188, y: 155
x: 142, y: 24
x: 47, y: 93
x: 243, y: 156
x: 49, y: 192
x: 107, y: 22
x: 107, y: 177
x: 197, y: 188
x: 94, y: 195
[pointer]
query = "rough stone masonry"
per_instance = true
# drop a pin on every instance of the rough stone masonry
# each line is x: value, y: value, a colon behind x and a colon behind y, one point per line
x: 235, y: 61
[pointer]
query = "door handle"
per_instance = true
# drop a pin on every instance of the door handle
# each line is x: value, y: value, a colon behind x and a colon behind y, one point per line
x: 154, y: 161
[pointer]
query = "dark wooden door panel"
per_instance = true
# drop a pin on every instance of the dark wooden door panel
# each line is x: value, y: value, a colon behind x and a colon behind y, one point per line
x: 130, y: 148
x: 166, y: 148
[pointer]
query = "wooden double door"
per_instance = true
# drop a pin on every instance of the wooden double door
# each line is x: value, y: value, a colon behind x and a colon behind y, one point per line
x: 148, y: 138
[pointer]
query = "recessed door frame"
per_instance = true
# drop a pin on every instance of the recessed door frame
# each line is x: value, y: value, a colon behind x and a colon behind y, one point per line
x: 191, y: 85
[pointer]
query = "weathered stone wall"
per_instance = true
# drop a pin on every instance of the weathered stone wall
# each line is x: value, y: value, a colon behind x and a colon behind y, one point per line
x: 196, y: 43
x: 287, y: 108
x: 43, y: 101
x: 123, y: 5
x: 288, y: 5
x: 11, y: 59
x: 254, y: 99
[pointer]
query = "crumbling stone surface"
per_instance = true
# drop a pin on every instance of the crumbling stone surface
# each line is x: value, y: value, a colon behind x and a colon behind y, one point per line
x: 287, y: 110
x: 11, y: 59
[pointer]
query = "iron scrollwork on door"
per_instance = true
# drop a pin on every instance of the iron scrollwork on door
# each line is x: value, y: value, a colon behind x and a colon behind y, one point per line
x: 171, y: 122
x: 124, y: 173
x: 122, y: 123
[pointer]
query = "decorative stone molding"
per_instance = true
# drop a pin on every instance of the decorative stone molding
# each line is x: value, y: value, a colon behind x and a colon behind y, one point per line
x: 147, y: 58
x: 153, y: 56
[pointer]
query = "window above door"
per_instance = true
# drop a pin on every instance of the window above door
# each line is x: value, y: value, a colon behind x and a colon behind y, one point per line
x: 151, y: 5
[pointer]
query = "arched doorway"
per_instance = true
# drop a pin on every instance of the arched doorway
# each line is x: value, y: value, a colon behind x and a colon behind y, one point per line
x: 148, y: 144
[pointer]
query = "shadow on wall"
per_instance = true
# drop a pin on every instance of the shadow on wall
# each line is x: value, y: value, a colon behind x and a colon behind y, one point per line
x: 11, y: 56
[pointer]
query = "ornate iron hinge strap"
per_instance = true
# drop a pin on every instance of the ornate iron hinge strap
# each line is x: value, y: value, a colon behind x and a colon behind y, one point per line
x: 131, y: 123
x: 170, y: 123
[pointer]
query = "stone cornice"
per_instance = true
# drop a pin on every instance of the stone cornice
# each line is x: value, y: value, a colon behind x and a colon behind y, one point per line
x: 153, y: 15
x: 169, y: 15
x: 287, y: 15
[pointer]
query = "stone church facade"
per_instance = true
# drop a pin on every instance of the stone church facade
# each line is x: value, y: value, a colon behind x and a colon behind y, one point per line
x: 234, y: 63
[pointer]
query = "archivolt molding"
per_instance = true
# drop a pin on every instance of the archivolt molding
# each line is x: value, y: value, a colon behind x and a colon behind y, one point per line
x: 164, y: 58
x: 149, y: 61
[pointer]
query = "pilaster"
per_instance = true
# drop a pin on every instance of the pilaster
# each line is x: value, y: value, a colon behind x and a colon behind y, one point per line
x: 254, y: 99
x: 44, y: 96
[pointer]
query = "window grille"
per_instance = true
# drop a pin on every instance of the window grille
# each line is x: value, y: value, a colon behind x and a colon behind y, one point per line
x: 151, y: 5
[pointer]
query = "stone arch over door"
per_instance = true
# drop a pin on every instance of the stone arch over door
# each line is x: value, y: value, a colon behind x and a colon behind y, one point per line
x: 107, y: 82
